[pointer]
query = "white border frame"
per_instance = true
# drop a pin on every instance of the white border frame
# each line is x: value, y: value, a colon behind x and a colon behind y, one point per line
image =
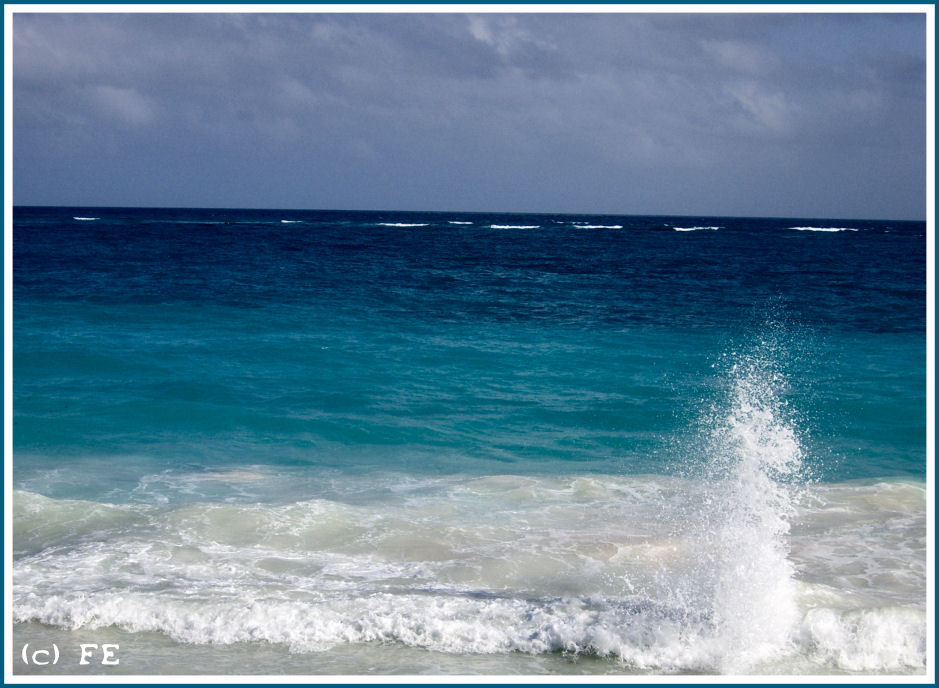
x: 11, y: 9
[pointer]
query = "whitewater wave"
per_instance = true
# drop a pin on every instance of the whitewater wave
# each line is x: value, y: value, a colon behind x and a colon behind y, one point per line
x: 587, y: 226
x: 514, y: 226
x: 693, y: 229
x: 636, y: 634
x: 402, y: 224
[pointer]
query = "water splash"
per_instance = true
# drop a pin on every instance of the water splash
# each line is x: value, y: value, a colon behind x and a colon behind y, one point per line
x: 753, y: 458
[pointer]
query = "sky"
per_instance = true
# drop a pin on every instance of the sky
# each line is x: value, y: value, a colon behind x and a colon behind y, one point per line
x: 766, y: 114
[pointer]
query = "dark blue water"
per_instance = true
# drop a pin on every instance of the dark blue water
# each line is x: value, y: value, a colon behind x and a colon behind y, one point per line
x: 335, y: 338
x: 267, y: 381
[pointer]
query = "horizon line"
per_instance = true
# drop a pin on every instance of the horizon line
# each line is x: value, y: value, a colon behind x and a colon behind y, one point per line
x: 471, y: 212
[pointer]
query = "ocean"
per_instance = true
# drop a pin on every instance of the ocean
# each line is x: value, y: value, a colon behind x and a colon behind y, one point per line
x: 272, y: 442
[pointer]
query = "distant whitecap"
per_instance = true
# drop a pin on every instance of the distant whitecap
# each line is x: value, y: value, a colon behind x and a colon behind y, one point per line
x: 692, y: 229
x: 86, y: 219
x: 402, y: 224
x: 514, y: 226
x: 458, y: 222
x: 582, y: 226
x: 825, y: 229
x: 291, y: 222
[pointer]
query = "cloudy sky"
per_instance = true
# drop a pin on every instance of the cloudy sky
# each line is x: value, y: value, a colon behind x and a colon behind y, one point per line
x: 797, y: 115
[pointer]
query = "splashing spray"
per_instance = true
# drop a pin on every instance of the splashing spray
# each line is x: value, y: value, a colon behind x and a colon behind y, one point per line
x: 755, y: 455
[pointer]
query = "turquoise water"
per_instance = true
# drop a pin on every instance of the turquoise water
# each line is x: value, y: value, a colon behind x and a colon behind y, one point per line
x: 325, y: 442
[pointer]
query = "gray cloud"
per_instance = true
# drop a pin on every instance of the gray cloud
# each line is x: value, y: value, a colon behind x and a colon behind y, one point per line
x: 767, y: 114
